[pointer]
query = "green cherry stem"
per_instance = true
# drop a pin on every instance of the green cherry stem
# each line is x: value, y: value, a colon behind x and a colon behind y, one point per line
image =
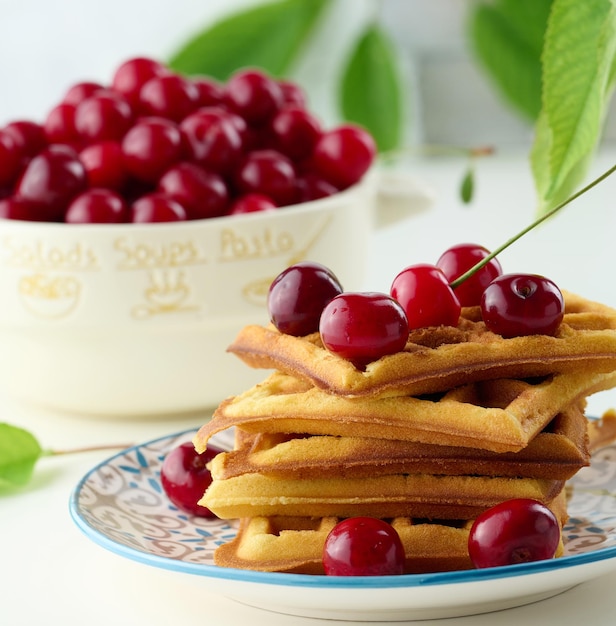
x: 538, y: 221
x: 95, y: 448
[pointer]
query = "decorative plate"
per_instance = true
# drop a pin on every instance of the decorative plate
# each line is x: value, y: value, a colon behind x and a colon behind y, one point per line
x: 120, y: 505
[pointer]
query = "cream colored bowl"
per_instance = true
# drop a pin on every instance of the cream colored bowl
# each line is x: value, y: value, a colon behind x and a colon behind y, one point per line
x: 135, y: 319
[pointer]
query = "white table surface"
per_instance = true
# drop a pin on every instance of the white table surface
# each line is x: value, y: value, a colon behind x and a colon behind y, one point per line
x: 52, y: 574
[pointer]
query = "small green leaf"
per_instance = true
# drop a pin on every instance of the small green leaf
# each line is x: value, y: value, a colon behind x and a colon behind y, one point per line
x: 578, y: 63
x: 371, y: 90
x: 19, y: 452
x: 268, y: 36
x: 507, y: 39
x: 467, y: 187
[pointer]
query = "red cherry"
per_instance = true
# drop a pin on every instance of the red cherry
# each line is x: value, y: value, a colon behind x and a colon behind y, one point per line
x: 10, y: 159
x: 292, y: 94
x: 343, y: 155
x: 16, y: 209
x: 131, y: 75
x: 29, y: 136
x: 363, y: 546
x: 151, y: 147
x: 51, y: 180
x: 184, y: 477
x: 269, y: 173
x: 459, y: 259
x: 170, y: 96
x: 80, y: 91
x: 213, y: 139
x: 253, y: 95
x: 312, y: 187
x: 295, y: 132
x: 252, y: 203
x: 103, y: 117
x: 156, y: 207
x: 426, y: 297
x: 203, y: 194
x: 515, y: 531
x: 104, y: 164
x: 59, y: 125
x: 298, y: 295
x: 97, y: 206
x: 522, y: 304
x: 363, y: 327
x: 210, y: 92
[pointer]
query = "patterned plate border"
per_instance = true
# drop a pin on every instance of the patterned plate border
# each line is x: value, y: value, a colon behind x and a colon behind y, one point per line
x: 120, y: 504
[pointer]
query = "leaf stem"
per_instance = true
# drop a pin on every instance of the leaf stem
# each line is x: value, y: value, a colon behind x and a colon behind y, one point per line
x: 96, y: 448
x: 538, y: 221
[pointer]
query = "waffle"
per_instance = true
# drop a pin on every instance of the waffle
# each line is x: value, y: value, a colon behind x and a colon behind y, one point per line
x: 438, y: 359
x: 497, y: 415
x: 558, y: 452
x: 419, y: 495
x: 602, y: 432
x: 295, y: 545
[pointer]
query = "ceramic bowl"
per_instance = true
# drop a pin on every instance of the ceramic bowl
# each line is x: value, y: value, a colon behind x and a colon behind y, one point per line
x: 133, y: 319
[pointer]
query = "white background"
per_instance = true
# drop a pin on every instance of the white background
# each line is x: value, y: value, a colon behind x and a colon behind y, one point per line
x: 46, y: 45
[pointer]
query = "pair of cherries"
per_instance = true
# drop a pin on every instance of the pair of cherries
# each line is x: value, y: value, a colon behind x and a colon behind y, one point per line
x: 516, y: 531
x: 363, y: 327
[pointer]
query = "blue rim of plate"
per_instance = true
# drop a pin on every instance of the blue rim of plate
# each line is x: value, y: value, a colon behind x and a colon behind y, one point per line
x: 314, y: 581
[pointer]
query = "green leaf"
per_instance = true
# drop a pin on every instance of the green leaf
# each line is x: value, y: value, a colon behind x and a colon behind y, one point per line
x: 371, y: 90
x: 507, y: 39
x: 269, y: 36
x: 19, y: 452
x: 467, y: 188
x: 578, y: 64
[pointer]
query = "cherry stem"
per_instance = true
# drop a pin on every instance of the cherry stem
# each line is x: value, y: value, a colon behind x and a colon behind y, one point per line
x: 97, y: 448
x: 523, y: 232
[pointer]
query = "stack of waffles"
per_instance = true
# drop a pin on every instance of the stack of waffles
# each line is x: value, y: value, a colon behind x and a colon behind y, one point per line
x: 428, y: 438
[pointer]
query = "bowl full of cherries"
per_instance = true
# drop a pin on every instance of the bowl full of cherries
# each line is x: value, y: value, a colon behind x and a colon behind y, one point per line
x: 142, y: 221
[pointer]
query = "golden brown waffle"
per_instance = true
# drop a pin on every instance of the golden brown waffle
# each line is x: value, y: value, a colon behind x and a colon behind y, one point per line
x: 602, y: 432
x: 496, y: 415
x: 295, y: 545
x: 437, y: 359
x: 418, y: 495
x: 558, y: 452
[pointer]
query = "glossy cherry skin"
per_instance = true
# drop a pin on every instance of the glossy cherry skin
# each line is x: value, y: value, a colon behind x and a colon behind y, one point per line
x: 343, y: 155
x: 270, y: 173
x: 10, y: 159
x: 295, y: 132
x: 131, y: 75
x: 156, y: 207
x: 363, y: 327
x: 185, y: 477
x: 29, y: 136
x: 516, y: 305
x: 426, y: 297
x: 213, y: 139
x: 151, y: 147
x: 104, y: 164
x: 252, y: 203
x: 170, y: 96
x: 203, y: 194
x: 515, y: 531
x: 253, y: 95
x: 298, y: 295
x: 102, y: 117
x: 80, y: 91
x: 97, y: 206
x: 457, y: 260
x: 60, y: 125
x: 363, y: 546
x: 51, y: 180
